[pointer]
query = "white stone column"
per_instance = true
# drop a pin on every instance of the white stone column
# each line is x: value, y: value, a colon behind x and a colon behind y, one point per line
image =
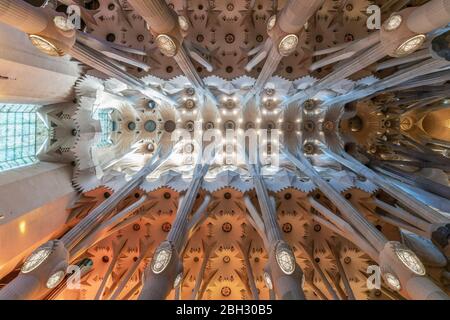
x: 23, y: 16
x: 32, y: 208
x: 167, y: 264
x: 33, y: 284
x: 282, y: 269
x: 404, y: 272
x: 29, y: 76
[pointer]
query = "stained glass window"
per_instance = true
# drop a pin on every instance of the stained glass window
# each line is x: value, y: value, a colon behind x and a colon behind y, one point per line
x: 21, y: 135
x: 103, y: 115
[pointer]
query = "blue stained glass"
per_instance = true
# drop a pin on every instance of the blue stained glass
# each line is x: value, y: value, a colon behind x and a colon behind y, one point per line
x: 21, y: 135
x: 106, y: 123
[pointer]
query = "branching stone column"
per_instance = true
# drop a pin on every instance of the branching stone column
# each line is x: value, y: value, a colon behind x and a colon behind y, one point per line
x: 170, y: 31
x: 93, y: 219
x: 430, y: 16
x: 404, y: 272
x: 402, y: 269
x: 437, y: 220
x: 99, y: 62
x: 186, y: 65
x: 369, y: 231
x: 282, y: 30
x: 401, y: 34
x: 46, y: 267
x: 39, y: 24
x: 23, y: 16
x: 283, y: 273
x: 385, y: 168
x: 166, y: 266
x: 49, y: 32
x: 423, y: 73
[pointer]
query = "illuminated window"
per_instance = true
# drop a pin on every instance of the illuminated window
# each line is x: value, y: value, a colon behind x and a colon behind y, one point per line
x: 21, y: 135
x: 107, y: 125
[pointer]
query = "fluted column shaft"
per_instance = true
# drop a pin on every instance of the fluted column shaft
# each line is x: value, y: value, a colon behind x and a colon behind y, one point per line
x: 411, y: 203
x: 375, y: 237
x: 342, y: 228
x: 421, y: 20
x: 186, y: 65
x: 100, y: 232
x: 430, y: 16
x: 93, y: 59
x: 423, y: 68
x: 352, y: 66
x: 158, y: 284
x: 23, y: 16
x: 416, y: 287
x: 33, y: 285
x: 71, y: 238
x: 426, y: 67
x: 379, y: 51
x: 415, y: 180
x: 421, y: 288
x: 258, y: 223
x: 179, y: 229
x: 286, y: 286
x: 268, y: 69
x: 163, y: 20
x: 291, y: 20
x: 269, y: 217
x: 250, y: 276
x: 296, y: 13
x: 156, y: 13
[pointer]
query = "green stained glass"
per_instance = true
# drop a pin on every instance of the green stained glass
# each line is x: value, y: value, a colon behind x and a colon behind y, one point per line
x: 103, y: 115
x: 21, y: 135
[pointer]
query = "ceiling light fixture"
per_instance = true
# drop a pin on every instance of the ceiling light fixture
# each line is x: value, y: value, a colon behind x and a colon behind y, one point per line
x: 393, y: 23
x: 162, y: 257
x: 45, y: 46
x: 410, y: 45
x: 288, y: 44
x: 166, y: 45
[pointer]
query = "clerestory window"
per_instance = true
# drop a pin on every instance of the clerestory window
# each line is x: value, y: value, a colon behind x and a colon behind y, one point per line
x: 107, y: 125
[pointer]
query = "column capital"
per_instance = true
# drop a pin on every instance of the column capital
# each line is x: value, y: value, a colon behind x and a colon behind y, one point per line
x: 43, y: 270
x: 403, y: 271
